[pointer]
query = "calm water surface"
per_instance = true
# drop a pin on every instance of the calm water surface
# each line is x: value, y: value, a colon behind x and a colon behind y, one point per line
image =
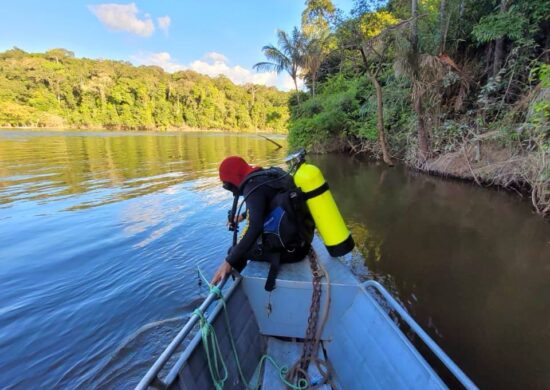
x: 101, y: 234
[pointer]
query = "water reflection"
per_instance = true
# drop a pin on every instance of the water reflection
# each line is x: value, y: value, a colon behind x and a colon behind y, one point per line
x: 50, y: 166
x: 100, y: 237
x: 470, y: 264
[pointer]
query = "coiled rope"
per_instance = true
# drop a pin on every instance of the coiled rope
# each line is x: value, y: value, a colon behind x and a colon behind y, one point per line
x: 216, y: 364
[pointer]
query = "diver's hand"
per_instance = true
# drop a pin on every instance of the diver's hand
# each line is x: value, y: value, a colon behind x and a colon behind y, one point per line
x: 225, y: 269
x: 237, y: 219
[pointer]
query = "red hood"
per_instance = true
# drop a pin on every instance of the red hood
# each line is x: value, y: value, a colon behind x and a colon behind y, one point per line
x: 234, y: 169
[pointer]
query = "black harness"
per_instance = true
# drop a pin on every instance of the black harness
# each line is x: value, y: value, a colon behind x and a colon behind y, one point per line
x: 274, y: 257
x: 234, y: 211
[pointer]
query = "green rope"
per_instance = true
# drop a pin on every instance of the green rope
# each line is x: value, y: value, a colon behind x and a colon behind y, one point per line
x: 283, y: 370
x: 214, y: 356
x: 213, y: 353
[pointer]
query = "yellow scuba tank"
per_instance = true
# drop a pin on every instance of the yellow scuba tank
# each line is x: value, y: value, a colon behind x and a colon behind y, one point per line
x: 328, y: 220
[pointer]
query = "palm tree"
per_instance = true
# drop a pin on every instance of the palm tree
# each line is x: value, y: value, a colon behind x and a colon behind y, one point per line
x: 314, y: 53
x: 287, y: 57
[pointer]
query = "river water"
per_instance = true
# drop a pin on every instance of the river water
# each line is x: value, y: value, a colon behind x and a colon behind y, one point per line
x: 101, y: 235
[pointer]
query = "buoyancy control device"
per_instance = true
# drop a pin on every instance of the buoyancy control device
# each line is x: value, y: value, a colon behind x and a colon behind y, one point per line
x: 288, y: 227
x: 320, y: 202
x: 289, y: 224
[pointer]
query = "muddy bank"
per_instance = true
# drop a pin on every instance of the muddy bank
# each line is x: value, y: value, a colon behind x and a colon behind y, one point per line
x: 487, y: 163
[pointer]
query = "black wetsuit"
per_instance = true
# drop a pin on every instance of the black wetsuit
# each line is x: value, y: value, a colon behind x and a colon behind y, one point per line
x: 259, y: 203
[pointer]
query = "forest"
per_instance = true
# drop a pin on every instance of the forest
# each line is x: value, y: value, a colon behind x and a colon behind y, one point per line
x: 457, y: 88
x: 56, y: 90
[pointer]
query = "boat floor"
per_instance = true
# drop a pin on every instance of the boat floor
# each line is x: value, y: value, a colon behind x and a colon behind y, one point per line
x: 286, y: 353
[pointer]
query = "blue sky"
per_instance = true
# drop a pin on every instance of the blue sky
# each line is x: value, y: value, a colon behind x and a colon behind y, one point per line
x: 209, y: 36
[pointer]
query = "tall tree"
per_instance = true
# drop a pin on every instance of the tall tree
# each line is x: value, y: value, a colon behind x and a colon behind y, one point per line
x: 287, y: 57
x: 316, y: 17
x: 414, y: 58
x: 367, y: 34
x: 443, y: 25
x: 315, y: 50
x: 499, y: 43
x: 316, y: 20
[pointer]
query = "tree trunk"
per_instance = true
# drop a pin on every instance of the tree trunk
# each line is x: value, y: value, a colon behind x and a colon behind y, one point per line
x: 546, y: 27
x: 379, y: 110
x: 442, y: 25
x: 461, y: 9
x: 296, y: 88
x: 499, y: 44
x: 499, y: 53
x: 489, y: 54
x: 414, y: 25
x: 380, y: 120
x: 423, y: 142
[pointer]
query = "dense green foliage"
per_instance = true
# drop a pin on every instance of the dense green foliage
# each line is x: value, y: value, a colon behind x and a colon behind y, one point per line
x: 451, y: 86
x: 456, y: 59
x: 54, y: 89
x: 339, y: 106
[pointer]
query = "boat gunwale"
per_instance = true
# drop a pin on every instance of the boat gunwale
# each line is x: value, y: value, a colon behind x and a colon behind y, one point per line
x: 190, y: 348
x: 152, y: 374
x: 417, y: 329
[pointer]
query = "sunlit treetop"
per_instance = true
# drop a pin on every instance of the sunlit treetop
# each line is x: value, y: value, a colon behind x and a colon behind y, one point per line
x: 316, y: 17
x: 373, y: 23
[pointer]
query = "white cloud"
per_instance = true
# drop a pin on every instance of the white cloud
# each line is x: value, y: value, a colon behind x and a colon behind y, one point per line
x: 164, y: 23
x: 215, y: 64
x: 162, y: 59
x: 215, y: 57
x: 123, y: 17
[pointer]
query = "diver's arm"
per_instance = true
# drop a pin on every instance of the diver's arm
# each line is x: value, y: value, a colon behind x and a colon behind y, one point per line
x: 256, y: 204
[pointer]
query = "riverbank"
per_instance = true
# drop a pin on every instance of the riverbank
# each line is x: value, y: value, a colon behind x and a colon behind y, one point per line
x: 486, y: 163
x: 183, y: 129
x: 488, y: 166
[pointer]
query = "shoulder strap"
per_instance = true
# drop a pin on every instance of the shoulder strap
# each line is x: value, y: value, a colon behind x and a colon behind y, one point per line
x: 273, y: 172
x: 269, y: 172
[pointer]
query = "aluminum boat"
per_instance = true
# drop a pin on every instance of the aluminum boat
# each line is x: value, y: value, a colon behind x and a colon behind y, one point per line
x: 362, y: 338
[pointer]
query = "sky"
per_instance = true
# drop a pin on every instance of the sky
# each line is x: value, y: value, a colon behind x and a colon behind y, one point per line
x: 209, y: 36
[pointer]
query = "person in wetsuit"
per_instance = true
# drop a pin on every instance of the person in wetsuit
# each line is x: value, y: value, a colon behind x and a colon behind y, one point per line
x: 260, y: 192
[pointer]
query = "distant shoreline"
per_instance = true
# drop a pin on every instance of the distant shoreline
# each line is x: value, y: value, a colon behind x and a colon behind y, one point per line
x: 151, y: 130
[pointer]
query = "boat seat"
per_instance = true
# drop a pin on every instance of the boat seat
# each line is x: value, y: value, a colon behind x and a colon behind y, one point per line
x: 284, y: 311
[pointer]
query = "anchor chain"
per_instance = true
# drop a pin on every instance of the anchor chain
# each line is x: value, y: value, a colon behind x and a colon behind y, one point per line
x: 313, y: 333
x: 310, y: 339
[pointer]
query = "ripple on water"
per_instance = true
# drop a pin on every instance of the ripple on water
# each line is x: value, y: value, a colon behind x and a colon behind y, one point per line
x: 100, y: 238
x: 101, y: 234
